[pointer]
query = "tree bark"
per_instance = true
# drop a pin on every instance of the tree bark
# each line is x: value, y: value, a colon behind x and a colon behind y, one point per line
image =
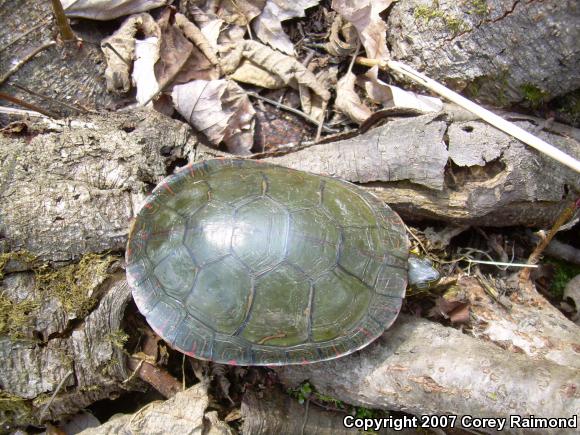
x: 499, y: 51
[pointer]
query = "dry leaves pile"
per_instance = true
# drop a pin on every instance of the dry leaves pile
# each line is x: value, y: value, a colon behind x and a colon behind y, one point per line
x: 197, y: 58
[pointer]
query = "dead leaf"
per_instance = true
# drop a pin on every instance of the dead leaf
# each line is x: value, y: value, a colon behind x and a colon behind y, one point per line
x: 107, y: 10
x: 453, y: 305
x: 364, y: 15
x: 392, y: 96
x: 209, y: 24
x: 268, y: 25
x: 119, y: 50
x: 343, y: 38
x: 348, y: 101
x: 146, y: 54
x: 254, y: 63
x: 180, y: 61
x: 220, y: 109
x: 239, y: 12
x: 239, y: 136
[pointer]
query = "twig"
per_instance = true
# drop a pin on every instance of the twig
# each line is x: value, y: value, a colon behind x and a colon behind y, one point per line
x: 486, y: 115
x: 564, y: 217
x: 501, y: 263
x: 19, y: 112
x: 23, y: 103
x: 58, y: 388
x: 25, y: 59
x: 158, y: 378
x: 321, y: 122
x: 290, y: 109
x: 66, y: 32
x: 114, y: 50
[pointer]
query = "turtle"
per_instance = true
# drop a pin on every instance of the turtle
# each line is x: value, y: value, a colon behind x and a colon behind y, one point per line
x: 244, y: 262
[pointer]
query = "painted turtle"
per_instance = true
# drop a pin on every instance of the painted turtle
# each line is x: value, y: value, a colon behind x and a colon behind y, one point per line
x: 249, y: 263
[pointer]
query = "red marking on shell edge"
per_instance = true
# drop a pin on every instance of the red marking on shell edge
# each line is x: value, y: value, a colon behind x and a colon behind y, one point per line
x: 191, y: 170
x: 167, y: 187
x: 365, y: 331
x: 305, y: 361
x: 148, y: 206
x: 233, y: 362
x: 192, y: 351
x: 336, y: 350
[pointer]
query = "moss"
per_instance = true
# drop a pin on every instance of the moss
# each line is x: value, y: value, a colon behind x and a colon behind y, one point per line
x: 563, y: 273
x: 452, y: 22
x: 14, y: 410
x: 455, y: 24
x: 18, y: 256
x: 111, y: 367
x: 72, y: 284
x: 118, y: 338
x: 15, y: 317
x: 533, y: 95
x: 477, y: 7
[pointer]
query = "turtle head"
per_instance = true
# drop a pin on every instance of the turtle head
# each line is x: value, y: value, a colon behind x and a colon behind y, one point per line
x: 422, y: 274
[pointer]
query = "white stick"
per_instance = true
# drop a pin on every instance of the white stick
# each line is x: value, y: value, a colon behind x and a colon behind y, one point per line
x: 497, y: 121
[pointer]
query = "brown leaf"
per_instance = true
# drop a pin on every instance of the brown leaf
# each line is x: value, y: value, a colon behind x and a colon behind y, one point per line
x: 239, y: 12
x: 364, y: 15
x: 279, y: 69
x: 209, y: 24
x: 119, y: 50
x: 343, y: 38
x: 220, y: 109
x: 180, y: 61
x: 348, y: 101
x: 453, y: 305
x: 268, y: 25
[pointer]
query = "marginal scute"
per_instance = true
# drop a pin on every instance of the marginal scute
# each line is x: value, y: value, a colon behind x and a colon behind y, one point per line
x: 294, y: 190
x: 232, y: 184
x: 244, y: 263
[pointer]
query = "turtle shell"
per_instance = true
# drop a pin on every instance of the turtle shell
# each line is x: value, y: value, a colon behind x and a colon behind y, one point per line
x: 249, y: 263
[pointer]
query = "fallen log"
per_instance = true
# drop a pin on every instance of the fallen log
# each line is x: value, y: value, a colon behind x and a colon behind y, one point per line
x: 422, y: 367
x: 72, y: 187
